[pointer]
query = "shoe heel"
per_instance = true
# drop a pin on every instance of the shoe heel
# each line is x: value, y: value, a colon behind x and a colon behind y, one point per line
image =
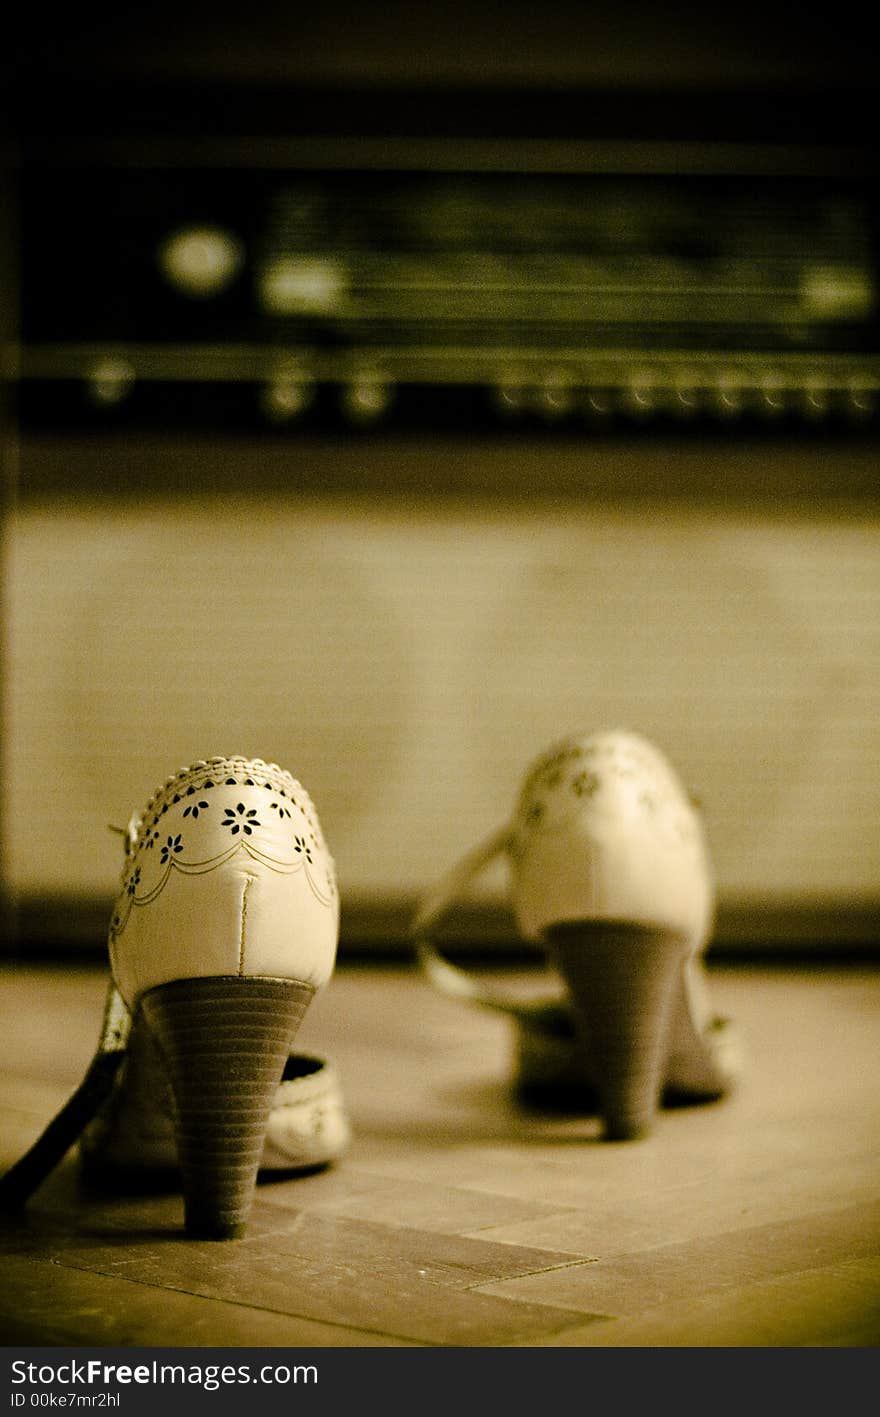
x: 623, y: 980
x: 224, y: 1042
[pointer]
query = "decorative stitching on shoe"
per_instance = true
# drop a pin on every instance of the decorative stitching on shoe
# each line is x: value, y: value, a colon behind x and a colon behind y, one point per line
x: 208, y: 773
x: 241, y: 945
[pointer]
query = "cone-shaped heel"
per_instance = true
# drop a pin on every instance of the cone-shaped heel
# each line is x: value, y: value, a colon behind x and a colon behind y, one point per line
x: 224, y: 1042
x: 623, y: 980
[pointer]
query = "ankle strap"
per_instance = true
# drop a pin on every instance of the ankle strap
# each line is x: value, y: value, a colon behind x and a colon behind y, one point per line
x: 29, y: 1172
x: 450, y: 979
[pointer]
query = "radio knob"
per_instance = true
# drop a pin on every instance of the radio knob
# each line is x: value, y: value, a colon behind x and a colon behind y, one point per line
x: 598, y: 402
x: 554, y: 396
x: 200, y: 261
x: 366, y: 398
x: 772, y: 395
x: 287, y: 396
x: 110, y: 381
x: 729, y: 396
x: 861, y: 398
x: 686, y: 402
x: 815, y: 397
x: 641, y: 396
x: 509, y: 393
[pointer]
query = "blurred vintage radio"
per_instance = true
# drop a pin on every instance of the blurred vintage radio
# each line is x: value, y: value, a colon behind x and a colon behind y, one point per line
x: 536, y: 287
x: 395, y: 455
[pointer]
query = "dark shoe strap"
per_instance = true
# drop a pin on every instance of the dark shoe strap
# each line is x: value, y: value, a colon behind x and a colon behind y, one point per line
x: 20, y: 1182
x: 22, y: 1179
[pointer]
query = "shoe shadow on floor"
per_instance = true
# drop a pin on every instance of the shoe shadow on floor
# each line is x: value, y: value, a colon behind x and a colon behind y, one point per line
x: 494, y: 1111
x: 472, y: 1113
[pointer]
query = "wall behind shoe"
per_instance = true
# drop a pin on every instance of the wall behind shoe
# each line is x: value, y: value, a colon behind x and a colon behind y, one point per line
x: 405, y: 626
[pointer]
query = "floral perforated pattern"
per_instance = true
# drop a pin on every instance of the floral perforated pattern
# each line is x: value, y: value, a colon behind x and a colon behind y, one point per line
x: 241, y: 819
x: 282, y: 834
x: 597, y: 774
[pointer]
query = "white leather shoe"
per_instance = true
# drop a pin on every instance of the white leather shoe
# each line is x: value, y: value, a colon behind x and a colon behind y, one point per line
x: 225, y: 925
x: 610, y: 872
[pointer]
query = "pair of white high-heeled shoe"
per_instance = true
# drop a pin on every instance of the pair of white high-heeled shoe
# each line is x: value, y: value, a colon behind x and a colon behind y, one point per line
x: 226, y: 924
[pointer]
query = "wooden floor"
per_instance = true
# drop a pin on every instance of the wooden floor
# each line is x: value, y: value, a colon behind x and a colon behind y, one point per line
x: 459, y: 1220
